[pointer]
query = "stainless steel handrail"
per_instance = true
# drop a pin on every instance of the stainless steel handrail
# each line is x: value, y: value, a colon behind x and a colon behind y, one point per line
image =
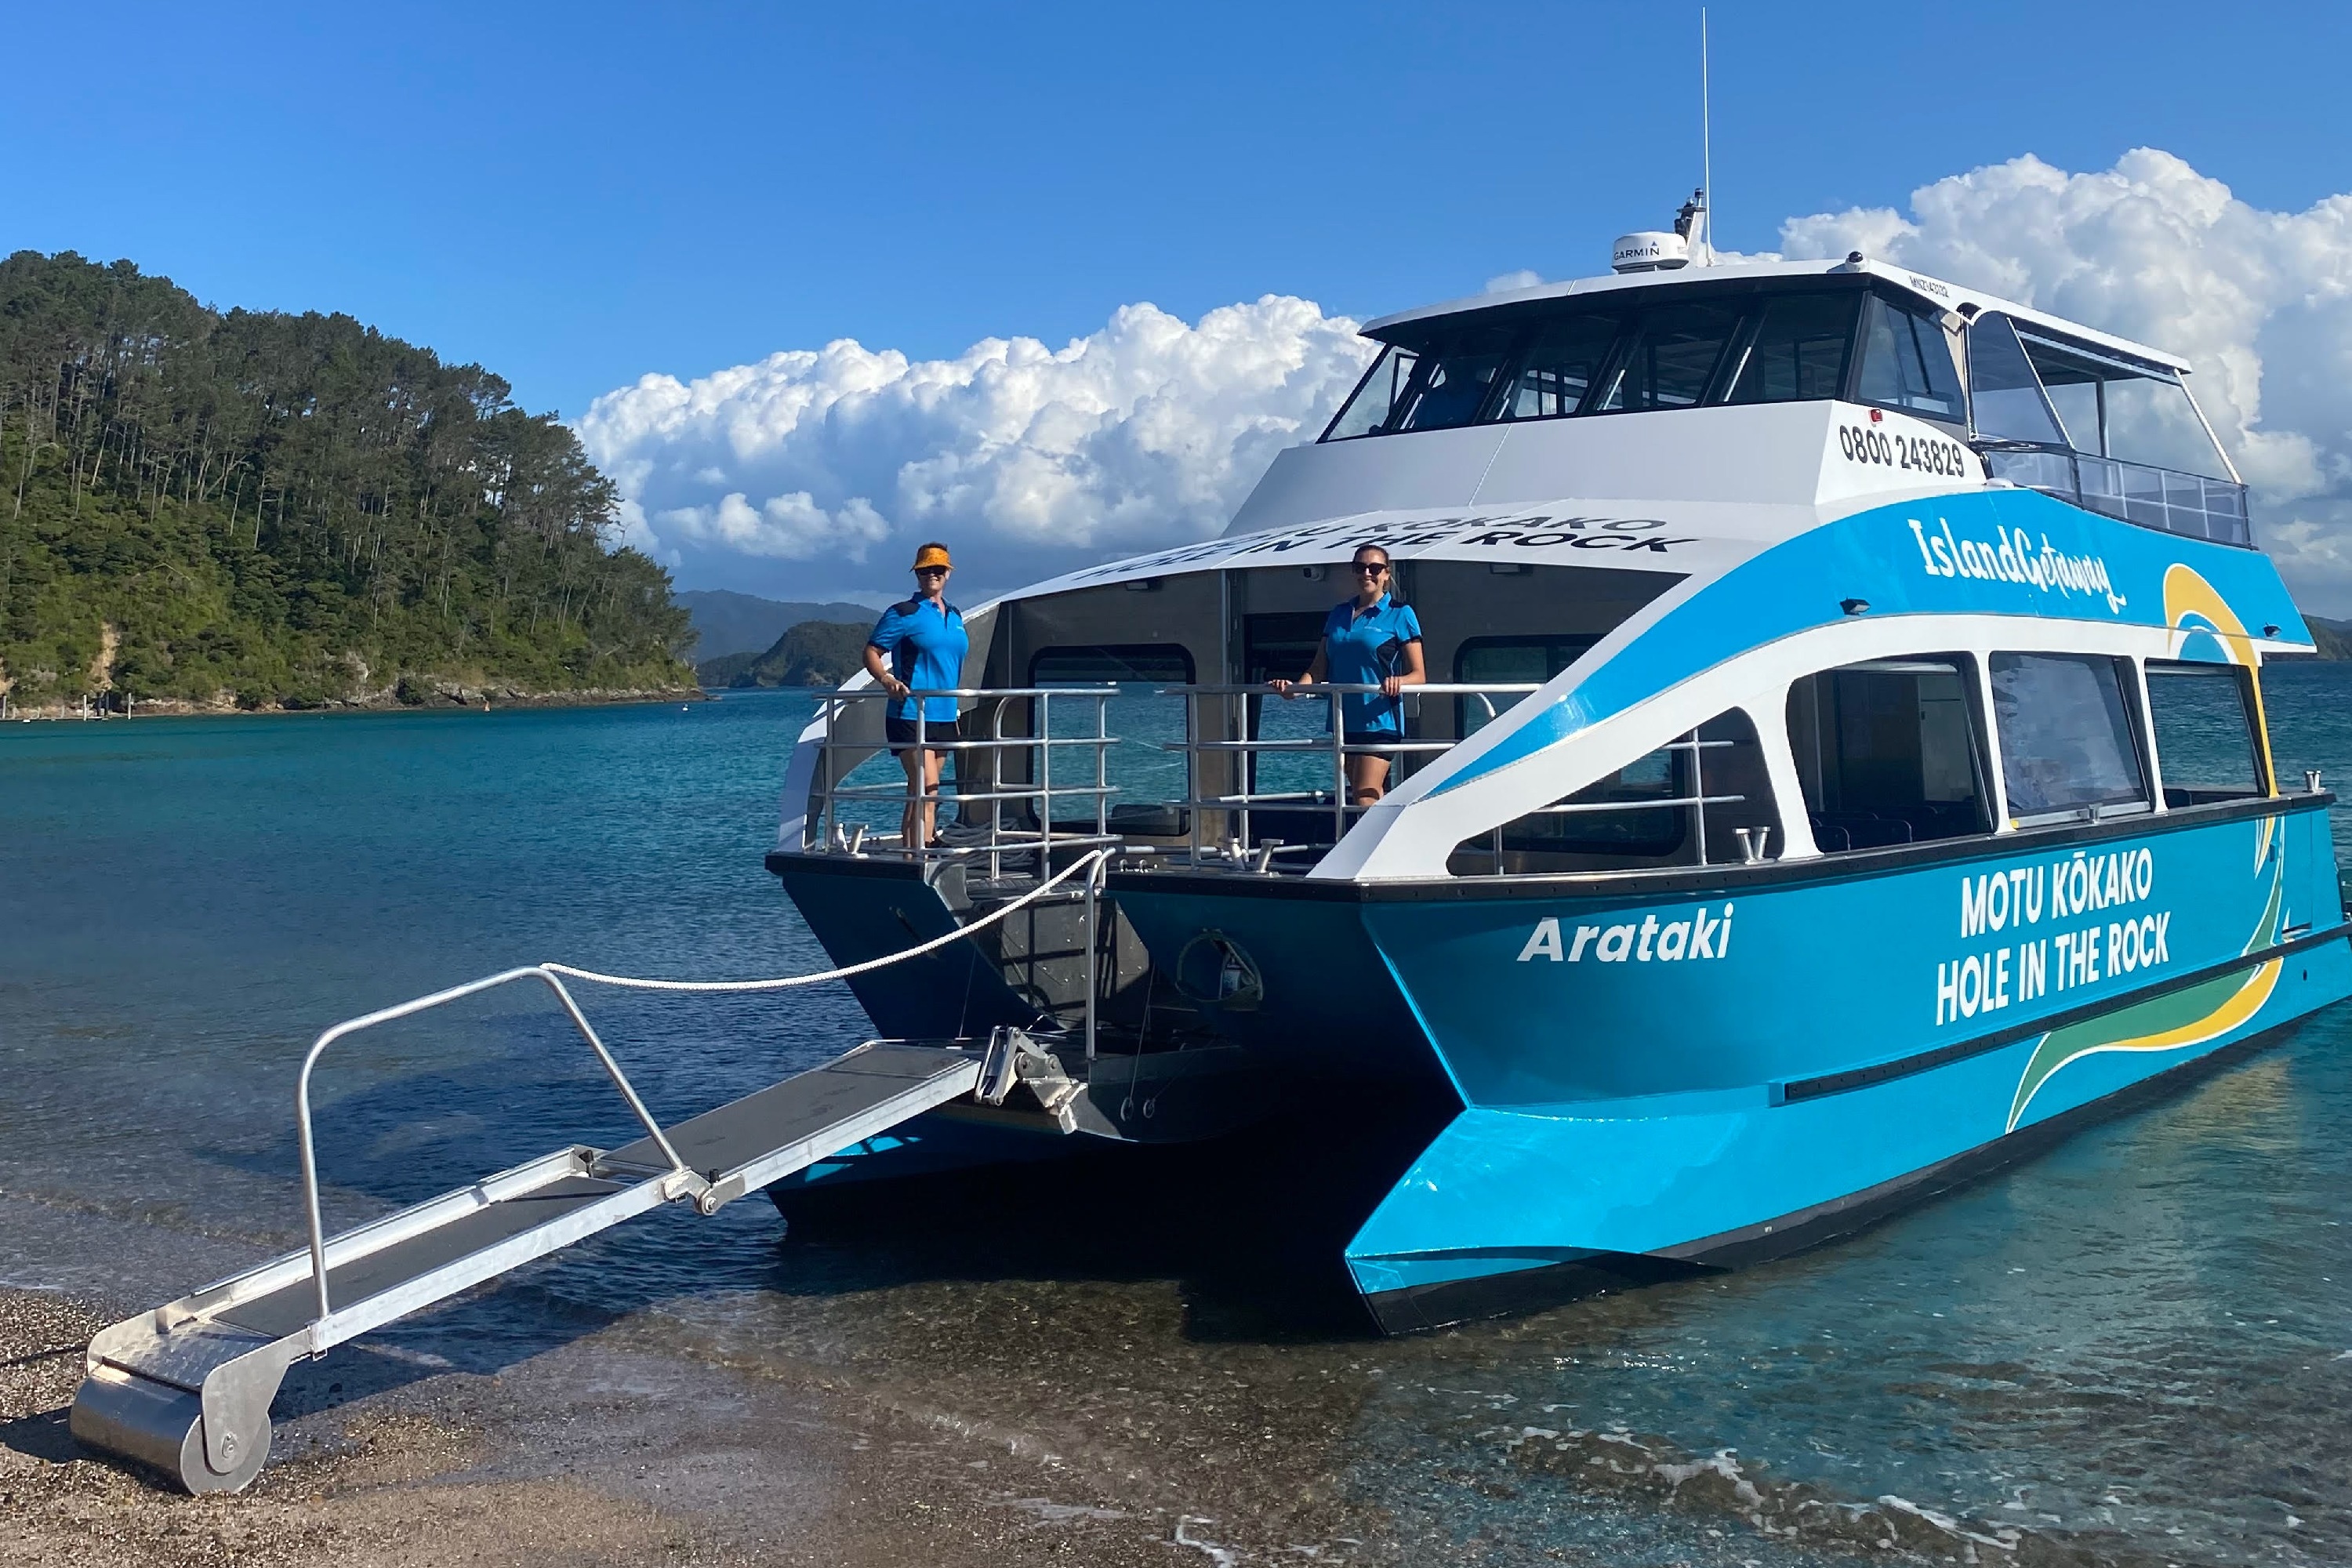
x: 1335, y: 745
x: 423, y: 1004
x: 831, y: 793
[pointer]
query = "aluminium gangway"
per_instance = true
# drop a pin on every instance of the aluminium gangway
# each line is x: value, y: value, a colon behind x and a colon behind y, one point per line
x: 186, y: 1389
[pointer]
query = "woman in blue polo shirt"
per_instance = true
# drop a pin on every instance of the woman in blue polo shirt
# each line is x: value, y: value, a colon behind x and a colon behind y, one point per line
x: 1369, y: 640
x: 924, y: 641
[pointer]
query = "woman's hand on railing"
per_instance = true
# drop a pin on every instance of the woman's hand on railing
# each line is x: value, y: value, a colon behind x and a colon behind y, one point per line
x: 1395, y: 684
x: 1284, y: 687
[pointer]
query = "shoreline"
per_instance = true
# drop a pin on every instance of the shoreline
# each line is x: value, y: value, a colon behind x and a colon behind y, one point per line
x: 632, y: 1445
x: 474, y: 698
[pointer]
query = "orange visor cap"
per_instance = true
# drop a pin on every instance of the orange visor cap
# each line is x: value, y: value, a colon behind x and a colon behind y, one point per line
x: 931, y: 555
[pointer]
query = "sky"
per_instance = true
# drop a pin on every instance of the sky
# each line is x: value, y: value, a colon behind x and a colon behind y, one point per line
x: 1060, y: 278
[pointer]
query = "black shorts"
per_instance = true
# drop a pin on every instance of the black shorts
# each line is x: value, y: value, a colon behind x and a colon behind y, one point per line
x: 937, y: 732
x: 1356, y: 737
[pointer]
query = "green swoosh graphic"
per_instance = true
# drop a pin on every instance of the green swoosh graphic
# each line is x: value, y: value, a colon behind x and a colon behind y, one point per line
x: 2184, y: 1017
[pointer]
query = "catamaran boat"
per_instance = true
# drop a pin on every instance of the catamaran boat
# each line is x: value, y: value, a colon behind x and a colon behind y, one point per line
x: 1842, y: 769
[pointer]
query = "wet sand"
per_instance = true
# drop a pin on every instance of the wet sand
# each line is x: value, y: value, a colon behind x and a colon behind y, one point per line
x: 613, y: 1448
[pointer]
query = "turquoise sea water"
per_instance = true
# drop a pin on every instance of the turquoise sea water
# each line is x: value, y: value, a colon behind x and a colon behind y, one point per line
x: 2135, y: 1349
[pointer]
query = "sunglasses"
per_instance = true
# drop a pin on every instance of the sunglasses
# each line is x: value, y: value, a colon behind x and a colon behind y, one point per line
x: 1372, y: 568
x: 930, y: 571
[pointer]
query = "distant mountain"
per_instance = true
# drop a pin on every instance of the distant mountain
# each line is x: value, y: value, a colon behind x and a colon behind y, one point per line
x: 814, y: 653
x: 2333, y: 639
x: 727, y: 622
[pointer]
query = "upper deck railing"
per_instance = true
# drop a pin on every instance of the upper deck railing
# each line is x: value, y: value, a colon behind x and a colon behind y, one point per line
x: 2165, y: 498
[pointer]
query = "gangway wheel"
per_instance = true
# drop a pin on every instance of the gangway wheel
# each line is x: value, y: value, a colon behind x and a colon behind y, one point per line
x: 162, y: 1428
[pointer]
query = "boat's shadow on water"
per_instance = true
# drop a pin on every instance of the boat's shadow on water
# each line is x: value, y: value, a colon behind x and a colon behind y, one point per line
x: 1251, y: 1228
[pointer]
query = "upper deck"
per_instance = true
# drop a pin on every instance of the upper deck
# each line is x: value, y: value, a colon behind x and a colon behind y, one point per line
x: 1673, y: 386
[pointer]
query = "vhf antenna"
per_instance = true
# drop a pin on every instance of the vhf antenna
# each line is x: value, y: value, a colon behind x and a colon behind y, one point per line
x: 1705, y: 142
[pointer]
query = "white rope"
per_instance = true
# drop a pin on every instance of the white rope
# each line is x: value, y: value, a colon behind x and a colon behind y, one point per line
x: 1084, y: 862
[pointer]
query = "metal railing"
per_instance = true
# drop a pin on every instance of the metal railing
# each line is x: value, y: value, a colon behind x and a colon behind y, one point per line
x: 2187, y: 504
x: 681, y: 1177
x: 1754, y: 841
x: 1224, y: 804
x: 1230, y: 725
x: 999, y: 839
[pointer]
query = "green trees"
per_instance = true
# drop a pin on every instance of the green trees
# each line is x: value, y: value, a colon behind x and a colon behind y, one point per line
x: 289, y: 511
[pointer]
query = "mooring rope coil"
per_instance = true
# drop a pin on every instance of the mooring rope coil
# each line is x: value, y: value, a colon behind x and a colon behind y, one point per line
x: 1086, y: 862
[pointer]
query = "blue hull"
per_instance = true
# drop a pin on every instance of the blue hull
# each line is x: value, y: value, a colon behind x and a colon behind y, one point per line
x: 1710, y: 1067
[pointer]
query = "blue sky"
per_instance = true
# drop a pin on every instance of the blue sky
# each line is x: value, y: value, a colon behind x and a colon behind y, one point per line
x: 578, y: 195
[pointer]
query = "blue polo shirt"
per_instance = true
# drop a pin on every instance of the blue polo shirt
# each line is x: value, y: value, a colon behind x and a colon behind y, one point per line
x: 925, y: 645
x: 1364, y: 649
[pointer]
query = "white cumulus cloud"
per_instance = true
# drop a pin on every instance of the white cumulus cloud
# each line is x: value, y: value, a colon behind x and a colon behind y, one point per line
x: 1026, y: 459
x: 813, y: 472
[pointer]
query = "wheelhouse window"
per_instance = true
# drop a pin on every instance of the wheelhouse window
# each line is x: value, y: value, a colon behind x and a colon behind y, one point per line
x: 1368, y: 409
x: 1799, y: 350
x: 1887, y: 753
x: 2207, y: 746
x: 1451, y: 385
x: 2066, y: 736
x: 1701, y: 799
x: 1906, y: 361
x: 1669, y: 358
x: 1556, y: 372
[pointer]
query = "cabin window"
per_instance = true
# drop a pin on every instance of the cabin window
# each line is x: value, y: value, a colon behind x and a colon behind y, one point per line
x: 1690, y: 802
x: 1158, y: 664
x: 1799, y: 350
x: 1887, y: 753
x: 2067, y: 739
x: 1669, y: 359
x: 2206, y: 745
x: 1558, y: 368
x: 1367, y: 411
x: 1906, y: 361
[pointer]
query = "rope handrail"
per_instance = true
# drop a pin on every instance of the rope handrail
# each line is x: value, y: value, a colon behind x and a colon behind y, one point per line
x: 1084, y: 862
x: 1091, y: 863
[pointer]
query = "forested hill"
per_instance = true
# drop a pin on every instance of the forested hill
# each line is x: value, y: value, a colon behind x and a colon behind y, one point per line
x: 271, y: 509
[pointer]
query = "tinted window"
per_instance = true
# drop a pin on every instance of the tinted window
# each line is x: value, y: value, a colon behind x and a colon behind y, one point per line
x: 2065, y: 734
x: 1684, y: 803
x: 1906, y: 361
x: 1452, y: 386
x: 1558, y: 368
x: 1799, y: 350
x: 1887, y: 753
x: 2205, y: 743
x: 1670, y: 360
x: 1367, y: 411
x: 1110, y: 664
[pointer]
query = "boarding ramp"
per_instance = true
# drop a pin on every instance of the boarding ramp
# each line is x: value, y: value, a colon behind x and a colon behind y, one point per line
x: 186, y: 1389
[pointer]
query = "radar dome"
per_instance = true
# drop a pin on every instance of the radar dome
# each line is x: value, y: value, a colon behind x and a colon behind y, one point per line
x: 1650, y: 251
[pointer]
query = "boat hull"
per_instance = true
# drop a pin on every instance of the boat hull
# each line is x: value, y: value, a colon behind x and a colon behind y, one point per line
x: 1670, y: 1072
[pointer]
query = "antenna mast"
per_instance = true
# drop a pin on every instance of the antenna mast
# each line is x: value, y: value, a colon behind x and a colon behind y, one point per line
x: 1705, y: 140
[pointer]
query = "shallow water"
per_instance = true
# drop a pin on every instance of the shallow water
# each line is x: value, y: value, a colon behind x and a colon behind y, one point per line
x: 2133, y: 1350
